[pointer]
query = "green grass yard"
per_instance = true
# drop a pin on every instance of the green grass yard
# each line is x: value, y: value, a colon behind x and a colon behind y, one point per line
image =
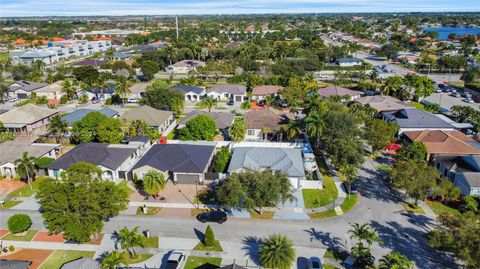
x: 418, y: 105
x: 135, y: 259
x: 25, y: 191
x: 59, y: 257
x: 27, y: 237
x: 349, y: 203
x: 442, y: 209
x: 151, y: 211
x: 202, y: 262
x: 411, y: 208
x: 321, y: 215
x: 151, y: 242
x: 265, y: 214
x: 202, y: 247
x: 314, y: 198
x: 10, y: 204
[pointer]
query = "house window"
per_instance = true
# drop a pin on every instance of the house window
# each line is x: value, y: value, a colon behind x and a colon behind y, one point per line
x: 251, y: 132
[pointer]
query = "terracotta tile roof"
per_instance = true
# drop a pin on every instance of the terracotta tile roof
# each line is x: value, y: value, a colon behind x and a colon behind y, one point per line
x: 445, y: 142
x: 266, y: 90
x: 267, y: 118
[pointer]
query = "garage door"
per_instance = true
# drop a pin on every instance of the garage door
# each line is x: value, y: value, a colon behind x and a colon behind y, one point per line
x: 238, y: 98
x: 22, y: 95
x: 186, y: 179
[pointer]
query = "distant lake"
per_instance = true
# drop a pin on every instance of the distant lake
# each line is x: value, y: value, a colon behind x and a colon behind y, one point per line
x: 445, y: 31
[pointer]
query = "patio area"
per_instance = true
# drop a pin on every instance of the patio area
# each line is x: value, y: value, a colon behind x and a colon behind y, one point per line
x: 180, y: 193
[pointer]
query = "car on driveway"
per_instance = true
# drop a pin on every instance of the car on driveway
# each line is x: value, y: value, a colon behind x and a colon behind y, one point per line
x: 468, y: 100
x: 314, y: 263
x: 212, y: 216
x: 176, y: 260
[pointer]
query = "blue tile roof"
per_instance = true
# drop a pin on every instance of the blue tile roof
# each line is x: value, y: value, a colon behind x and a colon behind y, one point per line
x: 78, y: 114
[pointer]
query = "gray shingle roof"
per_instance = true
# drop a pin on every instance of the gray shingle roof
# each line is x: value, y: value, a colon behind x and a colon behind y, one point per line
x: 153, y: 117
x: 185, y: 89
x: 110, y: 156
x: 416, y: 118
x: 186, y: 158
x: 222, y: 119
x: 78, y: 114
x: 229, y: 88
x: 12, y: 264
x: 25, y: 85
x: 287, y: 160
x: 82, y: 263
x: 26, y: 114
x: 11, y: 151
x: 349, y: 60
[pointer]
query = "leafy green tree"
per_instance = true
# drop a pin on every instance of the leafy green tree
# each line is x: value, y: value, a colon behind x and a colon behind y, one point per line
x: 86, y: 74
x: 153, y: 182
x: 422, y: 85
x: 292, y: 129
x: 201, y: 127
x: 58, y: 127
x: 277, y: 251
x: 417, y: 152
x: 349, y: 173
x: 68, y: 87
x: 237, y: 131
x: 469, y: 203
x: 26, y: 167
x: 164, y: 99
x: 393, y: 85
x: 445, y: 190
x: 395, y: 260
x: 79, y: 204
x: 363, y: 256
x: 123, y: 88
x: 209, y: 240
x: 19, y: 223
x: 85, y: 130
x: 254, y: 190
x: 379, y: 133
x: 130, y: 239
x: 467, y: 114
x: 109, y: 131
x: 222, y: 159
x: 112, y: 259
x: 149, y: 69
x: 471, y: 74
x: 208, y: 103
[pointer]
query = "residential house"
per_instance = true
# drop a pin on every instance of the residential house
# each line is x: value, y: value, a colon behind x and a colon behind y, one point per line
x: 416, y: 120
x: 79, y: 114
x: 26, y: 118
x: 192, y: 93
x: 22, y: 89
x: 52, y: 91
x: 181, y: 163
x: 89, y: 62
x: 262, y: 123
x: 348, y: 62
x: 463, y: 171
x: 382, y: 103
x: 119, y: 56
x: 287, y: 160
x: 137, y: 91
x: 101, y: 93
x: 226, y: 92
x: 223, y: 120
x: 82, y: 263
x: 15, y: 264
x: 444, y: 143
x: 334, y: 90
x: 184, y: 66
x: 162, y: 120
x: 10, y: 152
x: 261, y: 92
x: 113, y: 159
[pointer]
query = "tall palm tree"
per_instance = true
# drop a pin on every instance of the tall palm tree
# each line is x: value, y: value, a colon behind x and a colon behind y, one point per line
x: 363, y: 256
x: 277, y: 252
x: 171, y: 52
x: 364, y: 232
x: 129, y: 240
x: 68, y: 88
x: 123, y: 88
x: 237, y: 130
x: 292, y: 129
x: 153, y: 183
x: 314, y: 125
x: 395, y: 260
x: 26, y: 167
x: 58, y: 127
x: 209, y: 102
x: 112, y: 260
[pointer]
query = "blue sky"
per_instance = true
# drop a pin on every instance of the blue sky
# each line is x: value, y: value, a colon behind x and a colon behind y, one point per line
x: 9, y: 8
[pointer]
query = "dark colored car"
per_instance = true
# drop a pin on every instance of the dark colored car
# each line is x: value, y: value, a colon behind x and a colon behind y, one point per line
x: 281, y: 103
x: 212, y: 216
x: 352, y: 189
x: 230, y: 102
x: 261, y: 103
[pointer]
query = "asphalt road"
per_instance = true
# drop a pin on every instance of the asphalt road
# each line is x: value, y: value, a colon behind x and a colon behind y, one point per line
x: 379, y: 206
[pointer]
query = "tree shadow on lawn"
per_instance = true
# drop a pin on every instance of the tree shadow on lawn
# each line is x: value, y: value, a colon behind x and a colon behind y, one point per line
x: 252, y: 246
x: 333, y: 243
x: 413, y: 244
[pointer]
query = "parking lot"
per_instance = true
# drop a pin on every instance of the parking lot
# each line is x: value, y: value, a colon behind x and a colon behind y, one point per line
x: 446, y: 101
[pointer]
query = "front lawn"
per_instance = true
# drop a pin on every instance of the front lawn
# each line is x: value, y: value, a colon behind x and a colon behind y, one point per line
x: 25, y: 191
x: 418, y: 105
x: 314, y: 198
x: 151, y: 211
x: 411, y: 208
x: 349, y: 203
x: 265, y: 214
x: 325, y: 214
x: 27, y: 237
x: 151, y: 242
x: 202, y: 262
x: 140, y: 257
x: 442, y: 209
x: 59, y: 257
x: 202, y: 247
x: 10, y: 204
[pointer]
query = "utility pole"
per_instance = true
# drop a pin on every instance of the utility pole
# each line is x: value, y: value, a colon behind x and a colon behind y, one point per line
x: 176, y: 25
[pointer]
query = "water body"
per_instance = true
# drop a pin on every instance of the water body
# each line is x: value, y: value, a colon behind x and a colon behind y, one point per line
x: 445, y: 31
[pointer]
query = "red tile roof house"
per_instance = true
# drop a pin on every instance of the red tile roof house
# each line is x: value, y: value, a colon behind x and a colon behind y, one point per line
x: 260, y: 92
x: 333, y: 90
x: 260, y: 121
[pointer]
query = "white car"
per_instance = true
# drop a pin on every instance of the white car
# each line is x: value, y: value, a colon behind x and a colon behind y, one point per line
x: 468, y: 100
x: 132, y: 100
x: 176, y: 260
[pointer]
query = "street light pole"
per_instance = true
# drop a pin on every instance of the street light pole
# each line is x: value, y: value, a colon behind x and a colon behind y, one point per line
x: 196, y: 190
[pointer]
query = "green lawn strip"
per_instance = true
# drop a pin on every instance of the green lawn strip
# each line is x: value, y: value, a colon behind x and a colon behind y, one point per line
x: 203, y: 262
x: 314, y: 198
x: 329, y: 255
x: 27, y: 237
x: 413, y: 209
x: 418, y: 105
x: 25, y: 191
x: 265, y: 214
x: 151, y: 242
x: 123, y: 184
x: 151, y: 211
x: 441, y: 209
x: 202, y: 247
x: 140, y: 257
x: 325, y: 214
x: 349, y: 203
x: 384, y: 167
x: 59, y: 257
x: 10, y: 204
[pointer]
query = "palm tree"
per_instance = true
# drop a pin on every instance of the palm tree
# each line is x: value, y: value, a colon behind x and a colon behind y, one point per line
x: 208, y: 103
x: 395, y: 260
x: 277, y: 252
x: 68, y: 88
x: 314, y: 125
x: 237, y: 130
x: 57, y: 126
x: 112, y: 259
x: 292, y: 129
x: 364, y: 232
x: 26, y: 167
x: 123, y: 88
x: 153, y: 183
x: 350, y: 173
x: 362, y: 255
x: 171, y: 52
x: 129, y: 240
x: 177, y: 105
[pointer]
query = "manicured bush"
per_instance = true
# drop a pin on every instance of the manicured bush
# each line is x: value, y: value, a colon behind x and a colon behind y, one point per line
x: 209, y: 240
x: 63, y: 99
x: 11, y: 248
x: 19, y: 223
x: 222, y: 159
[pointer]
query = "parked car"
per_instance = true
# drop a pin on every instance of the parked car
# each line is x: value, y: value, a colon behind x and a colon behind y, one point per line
x: 176, y: 260
x: 212, y: 216
x: 352, y: 189
x: 393, y: 146
x: 456, y: 94
x: 261, y: 103
x: 280, y: 103
x: 132, y: 100
x: 468, y: 100
x: 438, y: 90
x: 230, y: 102
x: 314, y: 263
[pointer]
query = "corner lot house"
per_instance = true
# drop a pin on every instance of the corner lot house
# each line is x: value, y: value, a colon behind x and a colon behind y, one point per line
x: 79, y: 114
x: 334, y: 90
x: 9, y: 152
x: 260, y: 92
x: 287, y: 160
x: 26, y: 118
x: 223, y: 120
x: 262, y: 123
x: 463, y: 171
x: 184, y: 66
x: 416, y: 120
x: 192, y: 93
x: 51, y: 91
x: 382, y: 103
x: 349, y: 62
x: 162, y: 120
x: 22, y: 89
x: 181, y: 163
x: 237, y: 93
x: 113, y: 159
